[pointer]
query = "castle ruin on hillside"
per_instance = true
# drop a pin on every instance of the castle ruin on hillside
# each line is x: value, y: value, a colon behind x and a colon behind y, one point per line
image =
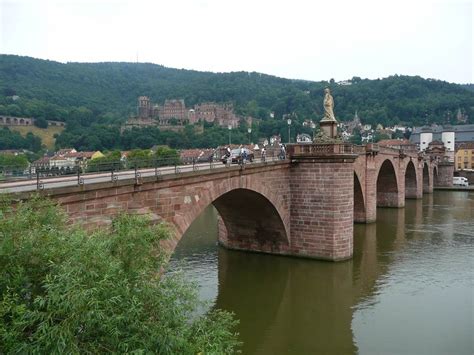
x: 173, y: 114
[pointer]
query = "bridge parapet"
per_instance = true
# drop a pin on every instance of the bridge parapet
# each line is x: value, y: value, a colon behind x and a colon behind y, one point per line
x: 320, y: 150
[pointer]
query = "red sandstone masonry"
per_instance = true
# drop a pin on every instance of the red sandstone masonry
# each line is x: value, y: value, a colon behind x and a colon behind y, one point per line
x: 322, y: 224
x: 307, y: 205
x: 367, y: 168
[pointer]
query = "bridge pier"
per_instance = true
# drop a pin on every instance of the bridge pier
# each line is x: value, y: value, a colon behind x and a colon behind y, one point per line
x: 371, y: 192
x: 322, y: 197
x: 444, y: 178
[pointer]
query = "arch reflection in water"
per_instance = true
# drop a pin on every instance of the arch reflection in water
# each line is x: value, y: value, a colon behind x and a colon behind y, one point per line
x: 406, y: 290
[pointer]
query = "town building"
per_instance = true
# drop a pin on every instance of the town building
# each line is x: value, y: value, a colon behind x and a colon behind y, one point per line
x: 42, y: 163
x: 189, y: 156
x: 303, y: 138
x: 464, y: 158
x: 275, y: 140
x: 67, y: 158
x: 404, y: 144
x: 436, y: 150
x: 451, y: 136
x: 424, y: 135
x: 350, y: 126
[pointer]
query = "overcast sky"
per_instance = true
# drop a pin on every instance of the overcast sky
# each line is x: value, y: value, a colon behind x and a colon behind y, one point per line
x: 312, y: 40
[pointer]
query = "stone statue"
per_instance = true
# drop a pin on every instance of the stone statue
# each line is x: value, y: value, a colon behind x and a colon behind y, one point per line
x: 328, y: 124
x: 328, y: 106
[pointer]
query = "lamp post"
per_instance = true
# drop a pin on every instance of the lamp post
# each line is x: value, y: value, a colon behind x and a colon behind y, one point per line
x: 313, y: 126
x: 230, y: 130
x: 289, y: 125
x: 249, y: 130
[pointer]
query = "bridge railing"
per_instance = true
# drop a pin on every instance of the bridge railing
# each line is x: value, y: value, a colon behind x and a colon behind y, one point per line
x: 40, y: 177
x: 320, y: 149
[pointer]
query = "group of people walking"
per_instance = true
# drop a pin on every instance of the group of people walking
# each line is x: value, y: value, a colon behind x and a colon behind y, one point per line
x: 244, y: 155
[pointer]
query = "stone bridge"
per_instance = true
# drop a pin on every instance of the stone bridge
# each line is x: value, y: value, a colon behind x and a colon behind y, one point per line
x: 303, y: 206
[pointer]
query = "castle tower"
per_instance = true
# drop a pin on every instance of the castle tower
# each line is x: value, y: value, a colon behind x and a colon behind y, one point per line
x: 144, y: 107
x: 448, y: 138
x: 426, y: 137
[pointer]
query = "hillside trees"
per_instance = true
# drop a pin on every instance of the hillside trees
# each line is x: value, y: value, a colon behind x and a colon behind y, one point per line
x: 14, y: 140
x: 94, y: 98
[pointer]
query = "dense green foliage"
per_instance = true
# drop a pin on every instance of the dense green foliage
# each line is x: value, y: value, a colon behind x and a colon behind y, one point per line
x: 64, y: 291
x: 94, y: 98
x: 137, y: 158
x: 110, y: 161
x: 41, y: 123
x: 102, y: 137
x: 17, y: 161
x: 14, y: 140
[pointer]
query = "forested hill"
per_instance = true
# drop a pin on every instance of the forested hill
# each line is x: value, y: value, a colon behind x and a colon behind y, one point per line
x: 107, y: 93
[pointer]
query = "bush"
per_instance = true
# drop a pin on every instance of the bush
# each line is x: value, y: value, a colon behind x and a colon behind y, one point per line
x: 66, y: 291
x: 41, y: 123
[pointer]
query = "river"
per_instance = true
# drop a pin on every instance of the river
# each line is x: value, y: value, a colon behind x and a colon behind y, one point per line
x: 407, y: 290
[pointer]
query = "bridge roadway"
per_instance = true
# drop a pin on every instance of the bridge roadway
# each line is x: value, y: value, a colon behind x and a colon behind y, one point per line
x: 29, y: 185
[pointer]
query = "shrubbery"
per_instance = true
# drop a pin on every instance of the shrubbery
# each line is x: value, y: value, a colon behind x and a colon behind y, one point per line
x: 66, y: 291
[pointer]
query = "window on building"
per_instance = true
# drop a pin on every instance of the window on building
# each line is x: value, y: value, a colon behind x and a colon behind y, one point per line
x: 465, y: 165
x: 465, y: 152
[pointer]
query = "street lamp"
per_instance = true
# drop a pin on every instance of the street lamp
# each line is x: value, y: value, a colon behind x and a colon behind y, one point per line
x: 230, y: 130
x: 289, y: 125
x: 249, y: 130
x: 313, y: 126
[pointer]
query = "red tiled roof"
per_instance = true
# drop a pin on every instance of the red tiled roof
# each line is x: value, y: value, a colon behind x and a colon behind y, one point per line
x: 195, y: 153
x: 56, y: 157
x: 392, y: 142
x: 64, y: 151
x: 79, y: 155
x: 42, y: 160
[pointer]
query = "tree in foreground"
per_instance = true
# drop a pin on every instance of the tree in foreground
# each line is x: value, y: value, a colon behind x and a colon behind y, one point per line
x: 66, y: 291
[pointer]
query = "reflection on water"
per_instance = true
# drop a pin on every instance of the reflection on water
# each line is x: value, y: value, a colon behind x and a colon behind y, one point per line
x: 408, y: 289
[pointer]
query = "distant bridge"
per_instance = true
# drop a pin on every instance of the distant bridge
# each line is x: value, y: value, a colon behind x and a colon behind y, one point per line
x: 302, y: 206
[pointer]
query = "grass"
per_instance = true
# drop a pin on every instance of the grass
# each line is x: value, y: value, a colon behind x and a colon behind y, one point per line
x: 46, y: 134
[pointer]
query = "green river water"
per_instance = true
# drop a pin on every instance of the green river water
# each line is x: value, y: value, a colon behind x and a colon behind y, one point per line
x: 407, y: 290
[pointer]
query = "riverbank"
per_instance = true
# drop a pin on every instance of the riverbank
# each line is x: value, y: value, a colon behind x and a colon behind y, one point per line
x: 456, y: 188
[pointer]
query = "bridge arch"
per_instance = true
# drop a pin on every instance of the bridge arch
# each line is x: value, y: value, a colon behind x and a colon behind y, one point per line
x: 254, y: 218
x: 359, y: 201
x: 387, y: 185
x: 411, y: 183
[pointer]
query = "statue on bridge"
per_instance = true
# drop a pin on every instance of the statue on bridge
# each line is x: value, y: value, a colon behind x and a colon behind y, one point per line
x: 328, y: 106
x: 328, y: 124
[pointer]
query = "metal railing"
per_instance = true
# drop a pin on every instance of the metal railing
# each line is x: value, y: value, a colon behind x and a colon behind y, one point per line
x: 18, y: 178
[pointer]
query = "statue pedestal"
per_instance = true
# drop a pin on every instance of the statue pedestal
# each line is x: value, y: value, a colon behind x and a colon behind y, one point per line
x: 329, y: 127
